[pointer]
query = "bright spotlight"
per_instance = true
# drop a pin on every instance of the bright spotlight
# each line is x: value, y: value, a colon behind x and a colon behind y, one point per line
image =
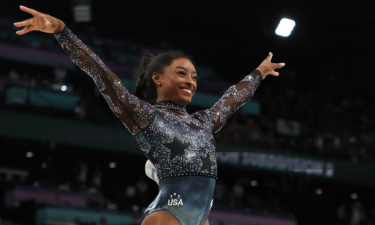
x: 63, y: 88
x: 285, y: 27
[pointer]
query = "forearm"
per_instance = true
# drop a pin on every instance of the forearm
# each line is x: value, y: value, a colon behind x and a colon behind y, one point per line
x: 262, y: 71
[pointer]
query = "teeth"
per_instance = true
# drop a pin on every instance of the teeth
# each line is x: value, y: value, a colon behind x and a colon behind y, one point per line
x: 187, y: 90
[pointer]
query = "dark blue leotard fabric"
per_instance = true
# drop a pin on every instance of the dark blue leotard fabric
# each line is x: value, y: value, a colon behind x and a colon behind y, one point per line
x: 188, y: 198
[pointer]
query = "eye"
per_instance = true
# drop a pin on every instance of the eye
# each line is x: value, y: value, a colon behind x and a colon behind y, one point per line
x: 196, y: 77
x: 182, y: 72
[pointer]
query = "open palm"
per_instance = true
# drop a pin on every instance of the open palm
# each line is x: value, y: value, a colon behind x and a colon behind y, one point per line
x: 40, y: 22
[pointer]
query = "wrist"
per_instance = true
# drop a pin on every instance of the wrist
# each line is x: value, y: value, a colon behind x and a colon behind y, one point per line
x: 262, y: 72
x: 60, y: 26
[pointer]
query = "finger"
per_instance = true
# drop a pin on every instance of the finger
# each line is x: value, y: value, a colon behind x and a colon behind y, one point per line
x: 24, y: 23
x: 274, y: 73
x: 278, y: 65
x: 270, y: 56
x: 31, y: 11
x: 25, y: 30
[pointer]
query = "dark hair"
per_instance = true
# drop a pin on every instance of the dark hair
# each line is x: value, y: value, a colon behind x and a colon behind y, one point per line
x: 148, y: 64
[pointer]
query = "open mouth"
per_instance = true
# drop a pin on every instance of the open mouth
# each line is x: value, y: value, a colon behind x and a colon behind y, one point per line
x: 186, y: 90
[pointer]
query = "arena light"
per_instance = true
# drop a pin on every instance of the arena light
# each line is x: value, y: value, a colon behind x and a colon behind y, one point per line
x: 135, y: 207
x: 253, y: 183
x: 64, y: 87
x: 354, y: 196
x: 319, y: 191
x: 29, y: 154
x: 112, y: 165
x: 285, y: 27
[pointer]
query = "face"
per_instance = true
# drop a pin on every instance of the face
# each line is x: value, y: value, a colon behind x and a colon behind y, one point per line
x: 178, y: 82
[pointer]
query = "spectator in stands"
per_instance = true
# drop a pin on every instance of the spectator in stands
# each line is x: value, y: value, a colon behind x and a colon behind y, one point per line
x: 357, y: 214
x: 77, y: 221
x: 135, y: 221
x: 103, y: 221
x: 90, y: 202
x: 238, y: 192
x: 110, y: 205
x: 58, y: 200
x: 13, y: 76
x: 97, y: 178
x: 60, y: 74
x: 80, y: 111
x: 142, y: 192
x: 65, y: 186
x: 219, y: 193
x: 130, y: 194
x: 82, y: 172
x: 25, y: 79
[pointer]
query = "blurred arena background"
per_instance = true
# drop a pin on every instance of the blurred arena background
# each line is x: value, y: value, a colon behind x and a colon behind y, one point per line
x: 302, y: 151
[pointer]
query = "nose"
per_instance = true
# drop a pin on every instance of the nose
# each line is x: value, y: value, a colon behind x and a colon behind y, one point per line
x: 190, y: 80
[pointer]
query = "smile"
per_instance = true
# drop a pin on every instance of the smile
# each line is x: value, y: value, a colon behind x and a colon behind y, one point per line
x: 187, y: 90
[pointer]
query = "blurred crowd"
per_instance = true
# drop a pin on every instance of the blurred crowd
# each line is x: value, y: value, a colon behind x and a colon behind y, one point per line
x: 333, y: 126
x: 321, y: 122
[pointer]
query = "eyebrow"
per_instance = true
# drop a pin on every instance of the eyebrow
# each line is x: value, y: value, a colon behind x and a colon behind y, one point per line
x: 185, y: 69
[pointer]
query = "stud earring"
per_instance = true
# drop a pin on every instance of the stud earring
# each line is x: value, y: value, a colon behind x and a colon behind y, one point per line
x: 159, y: 84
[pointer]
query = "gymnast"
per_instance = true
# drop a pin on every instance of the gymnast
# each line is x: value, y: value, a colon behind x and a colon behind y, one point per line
x: 180, y: 147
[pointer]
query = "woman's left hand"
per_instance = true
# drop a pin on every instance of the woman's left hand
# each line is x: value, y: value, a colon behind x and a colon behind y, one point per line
x: 266, y: 67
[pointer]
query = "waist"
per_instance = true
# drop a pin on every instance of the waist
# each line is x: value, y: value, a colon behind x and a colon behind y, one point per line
x: 188, y: 175
x: 188, y: 185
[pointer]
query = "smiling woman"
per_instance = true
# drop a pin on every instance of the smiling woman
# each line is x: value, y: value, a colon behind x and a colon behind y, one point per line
x: 181, y: 146
x: 169, y: 76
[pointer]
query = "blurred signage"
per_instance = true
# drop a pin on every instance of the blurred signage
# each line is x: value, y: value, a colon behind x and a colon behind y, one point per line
x: 278, y: 162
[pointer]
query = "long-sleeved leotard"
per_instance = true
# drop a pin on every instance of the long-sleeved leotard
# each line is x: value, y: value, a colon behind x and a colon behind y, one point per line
x: 177, y: 143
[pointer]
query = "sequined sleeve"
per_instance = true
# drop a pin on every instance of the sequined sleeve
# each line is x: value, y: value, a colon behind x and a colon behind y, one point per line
x: 134, y: 113
x: 236, y: 96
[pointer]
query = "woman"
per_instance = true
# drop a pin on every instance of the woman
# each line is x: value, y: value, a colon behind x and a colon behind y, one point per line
x: 180, y: 146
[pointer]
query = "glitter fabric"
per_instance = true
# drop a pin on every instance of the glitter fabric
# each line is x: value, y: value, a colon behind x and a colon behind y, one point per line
x: 177, y: 143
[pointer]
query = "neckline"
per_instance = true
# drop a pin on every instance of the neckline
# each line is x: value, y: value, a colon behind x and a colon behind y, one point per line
x: 170, y: 105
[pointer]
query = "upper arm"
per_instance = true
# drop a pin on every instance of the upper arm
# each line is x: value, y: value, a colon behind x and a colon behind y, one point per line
x: 135, y: 113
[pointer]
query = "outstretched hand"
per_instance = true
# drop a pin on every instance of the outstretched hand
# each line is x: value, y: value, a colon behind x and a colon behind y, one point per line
x: 266, y: 67
x: 40, y: 22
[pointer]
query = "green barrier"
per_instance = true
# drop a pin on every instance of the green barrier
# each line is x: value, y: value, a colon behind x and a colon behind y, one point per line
x: 94, y: 136
x: 51, y: 213
x: 38, y: 97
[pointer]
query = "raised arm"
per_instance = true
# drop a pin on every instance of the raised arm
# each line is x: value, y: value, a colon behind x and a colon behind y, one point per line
x: 237, y: 95
x: 134, y: 113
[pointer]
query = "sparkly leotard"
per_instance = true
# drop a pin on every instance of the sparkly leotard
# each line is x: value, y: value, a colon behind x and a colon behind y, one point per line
x: 180, y: 145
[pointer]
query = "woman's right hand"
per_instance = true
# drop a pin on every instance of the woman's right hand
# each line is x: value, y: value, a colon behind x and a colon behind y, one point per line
x: 40, y: 22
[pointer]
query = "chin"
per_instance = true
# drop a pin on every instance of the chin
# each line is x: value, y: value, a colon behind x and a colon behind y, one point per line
x: 185, y: 100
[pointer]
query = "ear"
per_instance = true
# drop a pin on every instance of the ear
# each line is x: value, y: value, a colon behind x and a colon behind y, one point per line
x: 156, y: 77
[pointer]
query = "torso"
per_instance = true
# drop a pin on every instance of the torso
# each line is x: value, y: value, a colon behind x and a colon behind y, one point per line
x: 179, y: 144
